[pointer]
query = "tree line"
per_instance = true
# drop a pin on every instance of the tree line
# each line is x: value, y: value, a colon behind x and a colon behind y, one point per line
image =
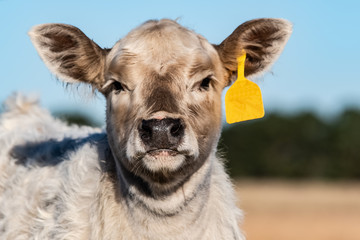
x: 301, y: 146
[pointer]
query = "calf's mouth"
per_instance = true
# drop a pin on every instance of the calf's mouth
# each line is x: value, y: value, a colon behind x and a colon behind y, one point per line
x: 163, y: 153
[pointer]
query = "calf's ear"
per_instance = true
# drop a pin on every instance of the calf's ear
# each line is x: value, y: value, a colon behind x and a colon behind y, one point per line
x: 69, y: 53
x: 262, y: 39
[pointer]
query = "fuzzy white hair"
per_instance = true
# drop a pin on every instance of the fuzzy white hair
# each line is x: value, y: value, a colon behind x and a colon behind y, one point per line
x: 55, y: 184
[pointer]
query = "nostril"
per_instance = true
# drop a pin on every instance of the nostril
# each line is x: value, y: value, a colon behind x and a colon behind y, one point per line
x: 176, y: 129
x: 145, y: 126
x: 145, y: 136
x: 145, y: 130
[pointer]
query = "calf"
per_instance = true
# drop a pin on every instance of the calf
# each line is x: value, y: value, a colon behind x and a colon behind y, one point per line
x: 154, y: 173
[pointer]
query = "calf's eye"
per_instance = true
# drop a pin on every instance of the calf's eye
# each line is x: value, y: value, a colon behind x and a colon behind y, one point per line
x: 205, y: 83
x: 117, y: 87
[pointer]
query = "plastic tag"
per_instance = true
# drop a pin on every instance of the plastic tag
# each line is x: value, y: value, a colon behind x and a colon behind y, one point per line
x: 243, y: 99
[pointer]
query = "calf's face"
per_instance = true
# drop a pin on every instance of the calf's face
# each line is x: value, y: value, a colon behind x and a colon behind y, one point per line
x: 163, y: 101
x: 163, y: 85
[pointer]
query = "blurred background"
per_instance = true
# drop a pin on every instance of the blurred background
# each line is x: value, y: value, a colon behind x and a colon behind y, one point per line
x: 296, y: 171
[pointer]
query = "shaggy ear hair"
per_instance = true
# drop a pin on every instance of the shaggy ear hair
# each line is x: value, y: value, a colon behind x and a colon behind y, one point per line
x: 262, y: 39
x: 69, y: 53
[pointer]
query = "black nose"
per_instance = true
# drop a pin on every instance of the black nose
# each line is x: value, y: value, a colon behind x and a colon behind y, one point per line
x: 166, y: 133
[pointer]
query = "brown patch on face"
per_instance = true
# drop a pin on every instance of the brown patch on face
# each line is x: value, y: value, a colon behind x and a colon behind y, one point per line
x: 159, y: 94
x: 161, y: 99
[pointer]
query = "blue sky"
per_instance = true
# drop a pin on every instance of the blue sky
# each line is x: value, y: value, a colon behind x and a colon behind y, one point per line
x: 318, y: 70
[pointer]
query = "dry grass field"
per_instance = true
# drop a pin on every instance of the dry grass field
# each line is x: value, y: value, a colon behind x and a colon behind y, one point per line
x: 300, y: 210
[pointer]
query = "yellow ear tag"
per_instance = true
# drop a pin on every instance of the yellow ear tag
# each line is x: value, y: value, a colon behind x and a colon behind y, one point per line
x: 243, y: 99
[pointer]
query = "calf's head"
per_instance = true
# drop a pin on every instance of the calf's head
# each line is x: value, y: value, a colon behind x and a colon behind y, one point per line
x: 163, y: 84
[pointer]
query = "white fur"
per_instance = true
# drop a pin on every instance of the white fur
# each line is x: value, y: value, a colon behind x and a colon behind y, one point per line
x: 76, y: 199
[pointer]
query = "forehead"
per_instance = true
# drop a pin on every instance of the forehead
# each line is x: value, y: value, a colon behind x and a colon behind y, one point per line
x: 161, y: 45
